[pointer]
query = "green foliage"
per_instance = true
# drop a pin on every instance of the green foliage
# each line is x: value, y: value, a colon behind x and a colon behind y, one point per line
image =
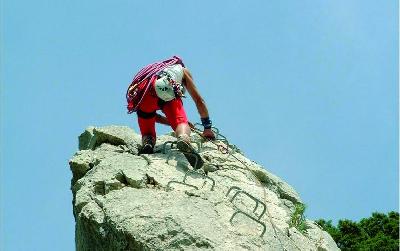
x: 297, y: 219
x: 378, y: 232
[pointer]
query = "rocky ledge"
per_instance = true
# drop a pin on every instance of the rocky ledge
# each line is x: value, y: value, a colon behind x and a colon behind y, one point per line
x: 126, y: 201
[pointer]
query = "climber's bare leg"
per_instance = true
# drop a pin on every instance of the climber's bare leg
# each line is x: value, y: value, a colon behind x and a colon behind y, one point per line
x: 183, y: 130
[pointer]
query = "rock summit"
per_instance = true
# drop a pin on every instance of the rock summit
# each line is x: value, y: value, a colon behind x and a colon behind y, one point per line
x: 126, y: 201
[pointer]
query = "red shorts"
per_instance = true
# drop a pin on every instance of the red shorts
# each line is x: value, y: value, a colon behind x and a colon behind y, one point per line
x: 173, y: 110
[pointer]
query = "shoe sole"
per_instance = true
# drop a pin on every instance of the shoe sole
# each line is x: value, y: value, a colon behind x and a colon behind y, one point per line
x: 191, y: 155
x: 147, y: 149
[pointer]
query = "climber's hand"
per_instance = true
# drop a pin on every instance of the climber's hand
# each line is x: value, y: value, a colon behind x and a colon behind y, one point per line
x: 208, y: 134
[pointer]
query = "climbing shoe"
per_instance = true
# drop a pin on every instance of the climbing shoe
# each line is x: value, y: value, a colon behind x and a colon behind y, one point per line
x: 190, y: 153
x: 147, y: 145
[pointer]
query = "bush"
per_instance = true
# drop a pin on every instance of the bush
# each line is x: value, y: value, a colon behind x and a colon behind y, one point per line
x: 378, y: 232
x: 298, y: 220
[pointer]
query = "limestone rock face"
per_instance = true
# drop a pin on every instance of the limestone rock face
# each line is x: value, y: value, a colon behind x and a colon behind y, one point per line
x: 126, y: 201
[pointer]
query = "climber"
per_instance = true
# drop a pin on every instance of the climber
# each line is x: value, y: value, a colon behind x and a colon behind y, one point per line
x: 160, y: 86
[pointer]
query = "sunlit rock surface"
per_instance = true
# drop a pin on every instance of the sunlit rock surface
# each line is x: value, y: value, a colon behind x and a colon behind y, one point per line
x: 126, y: 201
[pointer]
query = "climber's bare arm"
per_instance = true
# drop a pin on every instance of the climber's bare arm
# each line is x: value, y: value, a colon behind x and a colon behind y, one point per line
x: 194, y: 93
x: 198, y: 100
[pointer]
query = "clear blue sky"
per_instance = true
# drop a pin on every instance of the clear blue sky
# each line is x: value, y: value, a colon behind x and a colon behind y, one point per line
x: 309, y: 89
